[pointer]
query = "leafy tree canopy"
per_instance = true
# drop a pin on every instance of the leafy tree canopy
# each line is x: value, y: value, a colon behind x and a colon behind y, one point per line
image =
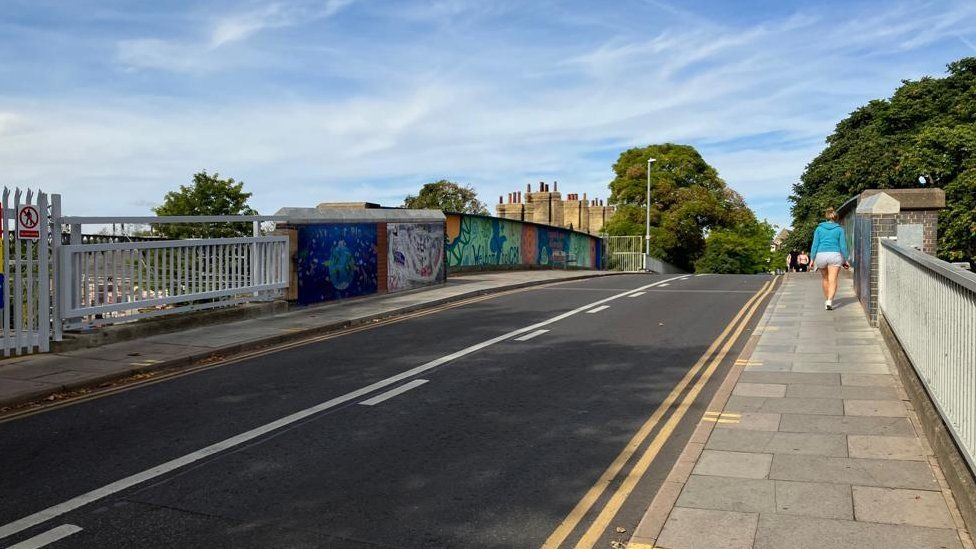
x: 208, y: 195
x: 448, y: 196
x: 926, y: 129
x: 688, y: 198
x: 743, y: 249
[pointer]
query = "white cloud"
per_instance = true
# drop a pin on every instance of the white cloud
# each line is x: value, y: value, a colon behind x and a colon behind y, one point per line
x: 198, y: 55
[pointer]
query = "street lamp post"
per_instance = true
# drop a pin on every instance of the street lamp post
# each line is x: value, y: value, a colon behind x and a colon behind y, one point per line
x: 647, y: 220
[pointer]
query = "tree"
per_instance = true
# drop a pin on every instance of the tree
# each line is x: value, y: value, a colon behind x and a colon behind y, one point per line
x: 448, y: 196
x: 927, y: 130
x: 742, y: 249
x: 688, y: 198
x: 208, y: 195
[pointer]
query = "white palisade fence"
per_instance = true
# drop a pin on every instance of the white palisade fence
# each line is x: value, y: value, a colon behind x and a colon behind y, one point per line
x: 111, y: 282
x: 26, y: 270
x: 930, y: 306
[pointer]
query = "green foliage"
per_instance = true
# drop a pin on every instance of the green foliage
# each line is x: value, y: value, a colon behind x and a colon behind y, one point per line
x: 208, y: 195
x: 926, y: 129
x: 448, y: 196
x: 688, y: 198
x: 741, y: 249
x: 957, y: 222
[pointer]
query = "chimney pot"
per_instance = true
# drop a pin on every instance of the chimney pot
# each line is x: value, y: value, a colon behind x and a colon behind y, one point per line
x: 500, y: 200
x: 555, y: 186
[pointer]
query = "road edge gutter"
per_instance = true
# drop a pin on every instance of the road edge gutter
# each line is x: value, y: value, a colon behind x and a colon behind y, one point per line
x: 652, y: 523
x: 31, y: 401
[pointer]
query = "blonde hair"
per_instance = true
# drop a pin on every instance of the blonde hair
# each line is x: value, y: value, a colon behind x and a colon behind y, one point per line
x: 830, y: 214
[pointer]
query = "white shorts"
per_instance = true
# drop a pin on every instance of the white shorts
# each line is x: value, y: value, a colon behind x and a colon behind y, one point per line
x: 825, y: 259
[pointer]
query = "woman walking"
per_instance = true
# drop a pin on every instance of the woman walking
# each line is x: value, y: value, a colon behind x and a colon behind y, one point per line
x: 829, y: 254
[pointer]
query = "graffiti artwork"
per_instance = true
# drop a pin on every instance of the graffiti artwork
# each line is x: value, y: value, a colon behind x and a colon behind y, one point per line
x: 336, y: 261
x: 416, y: 255
x: 476, y: 241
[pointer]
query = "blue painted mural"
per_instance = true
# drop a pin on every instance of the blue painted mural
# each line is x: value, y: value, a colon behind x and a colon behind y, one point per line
x: 336, y: 261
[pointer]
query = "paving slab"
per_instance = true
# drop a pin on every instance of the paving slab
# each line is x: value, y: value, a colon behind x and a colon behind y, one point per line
x: 882, y: 408
x: 753, y: 421
x: 729, y: 494
x: 814, y: 499
x: 777, y: 531
x: 885, y: 447
x: 708, y: 529
x: 864, y: 472
x: 845, y: 392
x: 897, y: 506
x: 851, y: 425
x: 869, y: 380
x: 779, y: 443
x: 733, y: 464
x: 759, y: 390
x: 790, y: 378
x: 822, y: 406
x: 839, y: 367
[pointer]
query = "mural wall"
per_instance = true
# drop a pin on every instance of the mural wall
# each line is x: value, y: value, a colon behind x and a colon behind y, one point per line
x: 415, y: 255
x: 336, y: 261
x: 479, y: 241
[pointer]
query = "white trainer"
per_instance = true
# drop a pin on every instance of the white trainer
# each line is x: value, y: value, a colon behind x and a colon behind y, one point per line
x: 828, y: 306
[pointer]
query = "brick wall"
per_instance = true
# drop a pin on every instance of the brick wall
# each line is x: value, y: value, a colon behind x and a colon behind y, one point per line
x: 929, y: 220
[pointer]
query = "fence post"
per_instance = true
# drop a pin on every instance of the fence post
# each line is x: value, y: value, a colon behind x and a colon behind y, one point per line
x: 43, y: 277
x: 56, y: 277
x: 5, y: 241
x: 255, y: 276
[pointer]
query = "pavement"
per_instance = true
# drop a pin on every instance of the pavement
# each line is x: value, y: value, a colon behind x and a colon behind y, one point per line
x: 545, y: 416
x: 37, y: 377
x: 811, y: 443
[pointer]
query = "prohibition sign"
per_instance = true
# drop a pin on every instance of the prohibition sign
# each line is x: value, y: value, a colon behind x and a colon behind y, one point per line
x: 27, y: 220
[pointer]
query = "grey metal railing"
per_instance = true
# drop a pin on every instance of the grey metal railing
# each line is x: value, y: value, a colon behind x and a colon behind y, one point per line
x: 930, y: 306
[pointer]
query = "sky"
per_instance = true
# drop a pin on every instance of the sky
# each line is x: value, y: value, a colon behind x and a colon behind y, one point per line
x: 112, y: 103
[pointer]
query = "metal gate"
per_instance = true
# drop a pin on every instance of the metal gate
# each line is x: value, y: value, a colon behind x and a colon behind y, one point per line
x: 624, y: 253
x: 25, y: 271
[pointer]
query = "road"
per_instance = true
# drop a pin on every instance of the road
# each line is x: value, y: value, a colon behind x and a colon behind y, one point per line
x: 514, y: 421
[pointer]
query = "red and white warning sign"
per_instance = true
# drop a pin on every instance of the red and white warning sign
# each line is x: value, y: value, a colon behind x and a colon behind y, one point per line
x: 28, y: 220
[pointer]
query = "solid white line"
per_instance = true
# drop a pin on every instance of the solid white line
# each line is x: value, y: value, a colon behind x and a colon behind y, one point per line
x: 638, y: 294
x: 598, y: 309
x: 529, y: 336
x: 48, y: 537
x: 393, y: 392
x: 247, y: 436
x: 663, y: 285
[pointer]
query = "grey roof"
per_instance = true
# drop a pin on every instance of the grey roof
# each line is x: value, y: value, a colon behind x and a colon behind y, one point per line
x: 305, y: 216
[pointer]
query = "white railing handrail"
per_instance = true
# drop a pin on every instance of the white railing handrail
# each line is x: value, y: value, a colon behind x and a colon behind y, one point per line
x: 930, y: 307
x: 149, y: 245
x: 164, y: 219
x: 964, y: 278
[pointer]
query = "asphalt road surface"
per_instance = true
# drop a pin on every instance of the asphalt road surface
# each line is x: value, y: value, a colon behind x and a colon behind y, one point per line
x: 515, y: 421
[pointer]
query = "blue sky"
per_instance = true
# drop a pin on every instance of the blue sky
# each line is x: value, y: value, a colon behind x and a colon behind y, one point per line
x: 114, y: 103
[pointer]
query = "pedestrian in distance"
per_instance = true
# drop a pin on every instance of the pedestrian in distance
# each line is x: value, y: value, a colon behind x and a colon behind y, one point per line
x: 829, y: 254
x: 791, y: 264
x: 802, y: 262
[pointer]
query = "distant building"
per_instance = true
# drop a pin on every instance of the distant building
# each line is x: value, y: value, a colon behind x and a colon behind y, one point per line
x: 779, y: 239
x: 547, y: 206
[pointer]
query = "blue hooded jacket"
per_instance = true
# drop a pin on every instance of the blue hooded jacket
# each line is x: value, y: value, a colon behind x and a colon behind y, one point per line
x: 829, y: 237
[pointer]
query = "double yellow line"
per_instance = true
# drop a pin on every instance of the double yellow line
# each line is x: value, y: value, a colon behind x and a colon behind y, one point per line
x: 713, y: 356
